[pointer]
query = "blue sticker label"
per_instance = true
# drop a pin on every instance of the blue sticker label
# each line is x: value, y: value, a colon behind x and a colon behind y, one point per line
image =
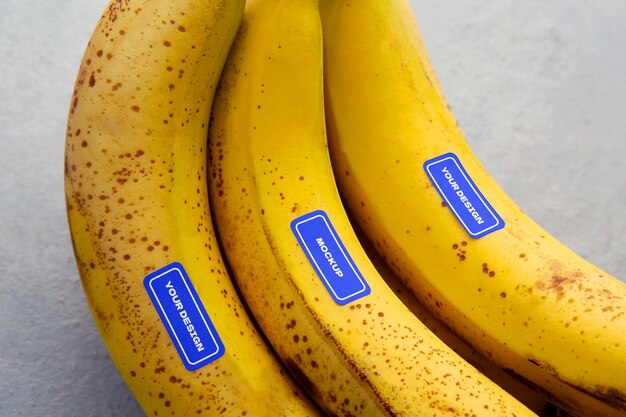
x: 329, y: 257
x: 184, y: 316
x: 462, y: 196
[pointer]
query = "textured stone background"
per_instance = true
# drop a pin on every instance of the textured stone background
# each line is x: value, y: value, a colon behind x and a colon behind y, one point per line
x: 537, y: 85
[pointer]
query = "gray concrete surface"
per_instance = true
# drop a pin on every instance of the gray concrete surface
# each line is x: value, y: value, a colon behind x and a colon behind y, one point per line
x: 539, y: 87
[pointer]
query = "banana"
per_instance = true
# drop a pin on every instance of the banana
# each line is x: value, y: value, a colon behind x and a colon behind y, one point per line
x: 449, y: 231
x: 343, y: 334
x: 137, y: 201
x: 527, y: 394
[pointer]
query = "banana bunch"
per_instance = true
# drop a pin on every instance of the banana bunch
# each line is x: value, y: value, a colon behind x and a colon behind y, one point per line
x: 301, y: 317
x: 331, y: 318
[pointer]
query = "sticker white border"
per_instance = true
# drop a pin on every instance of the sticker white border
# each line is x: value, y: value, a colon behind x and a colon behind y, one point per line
x: 173, y: 331
x: 340, y: 246
x: 476, y: 192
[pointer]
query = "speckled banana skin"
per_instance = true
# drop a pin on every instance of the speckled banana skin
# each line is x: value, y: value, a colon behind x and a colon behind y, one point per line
x: 528, y: 394
x: 517, y: 294
x: 135, y: 177
x: 269, y: 164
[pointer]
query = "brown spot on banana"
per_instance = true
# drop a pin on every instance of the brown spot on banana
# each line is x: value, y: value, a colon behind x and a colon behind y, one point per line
x: 558, y: 284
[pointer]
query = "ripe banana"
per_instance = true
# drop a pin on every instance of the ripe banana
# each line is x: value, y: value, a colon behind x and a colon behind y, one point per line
x: 448, y: 230
x: 528, y: 395
x: 135, y: 178
x: 344, y: 334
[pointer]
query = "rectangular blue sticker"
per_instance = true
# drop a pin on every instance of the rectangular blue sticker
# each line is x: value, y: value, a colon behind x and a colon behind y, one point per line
x: 184, y: 316
x: 329, y: 257
x: 462, y: 196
